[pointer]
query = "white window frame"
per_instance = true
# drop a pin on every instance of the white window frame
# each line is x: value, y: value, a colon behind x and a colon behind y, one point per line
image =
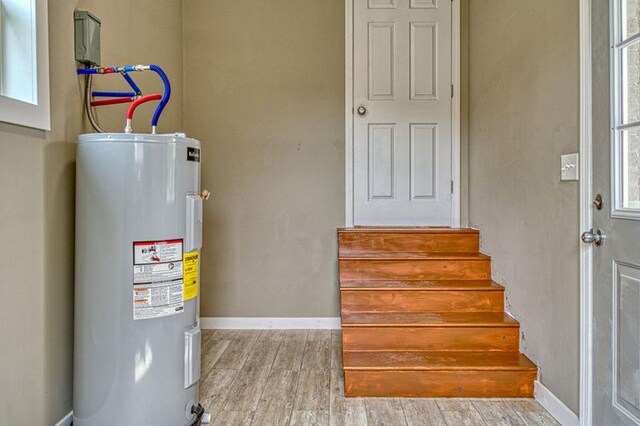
x: 618, y: 44
x: 24, y: 113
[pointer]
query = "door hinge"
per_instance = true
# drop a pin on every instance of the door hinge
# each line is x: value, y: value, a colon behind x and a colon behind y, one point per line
x: 452, y: 187
x: 452, y: 91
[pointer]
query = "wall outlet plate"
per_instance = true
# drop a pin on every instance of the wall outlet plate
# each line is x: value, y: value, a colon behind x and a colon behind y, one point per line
x: 570, y: 166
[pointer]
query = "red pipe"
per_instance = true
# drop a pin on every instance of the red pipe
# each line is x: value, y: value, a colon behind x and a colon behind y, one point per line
x: 111, y: 101
x: 141, y: 100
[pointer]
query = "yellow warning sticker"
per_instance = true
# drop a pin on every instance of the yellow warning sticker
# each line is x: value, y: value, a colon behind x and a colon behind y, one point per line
x: 191, y: 275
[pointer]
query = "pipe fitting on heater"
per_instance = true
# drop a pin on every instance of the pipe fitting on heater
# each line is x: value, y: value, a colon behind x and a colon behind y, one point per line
x: 198, y: 412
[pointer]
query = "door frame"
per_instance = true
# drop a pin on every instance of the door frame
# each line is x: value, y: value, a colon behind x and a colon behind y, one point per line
x: 456, y: 79
x: 586, y: 218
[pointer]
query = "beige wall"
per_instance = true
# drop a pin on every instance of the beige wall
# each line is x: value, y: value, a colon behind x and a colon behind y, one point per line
x: 265, y: 94
x: 523, y: 114
x: 37, y: 198
x: 22, y: 279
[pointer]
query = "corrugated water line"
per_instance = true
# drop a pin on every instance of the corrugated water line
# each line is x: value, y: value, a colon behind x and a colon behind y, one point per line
x: 141, y: 100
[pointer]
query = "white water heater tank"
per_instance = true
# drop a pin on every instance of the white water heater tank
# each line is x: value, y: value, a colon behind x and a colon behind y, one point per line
x: 138, y: 240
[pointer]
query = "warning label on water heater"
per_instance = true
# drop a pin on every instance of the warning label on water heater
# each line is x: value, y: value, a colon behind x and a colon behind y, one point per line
x: 190, y: 275
x: 157, y: 279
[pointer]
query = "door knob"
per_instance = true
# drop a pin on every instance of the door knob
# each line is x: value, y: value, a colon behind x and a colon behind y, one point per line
x: 591, y: 237
x: 362, y: 111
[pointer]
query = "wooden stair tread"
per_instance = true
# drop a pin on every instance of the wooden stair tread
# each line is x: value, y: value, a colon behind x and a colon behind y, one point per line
x: 437, y: 361
x: 408, y: 230
x: 389, y: 240
x: 428, y: 285
x: 428, y: 319
x: 414, y: 256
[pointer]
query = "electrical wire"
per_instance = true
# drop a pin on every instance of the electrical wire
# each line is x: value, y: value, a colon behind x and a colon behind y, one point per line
x: 87, y: 104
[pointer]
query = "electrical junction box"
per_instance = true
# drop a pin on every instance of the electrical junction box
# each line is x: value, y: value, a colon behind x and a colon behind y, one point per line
x: 87, y: 38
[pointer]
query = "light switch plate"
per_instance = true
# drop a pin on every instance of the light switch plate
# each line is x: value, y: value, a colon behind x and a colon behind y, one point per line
x: 569, y: 166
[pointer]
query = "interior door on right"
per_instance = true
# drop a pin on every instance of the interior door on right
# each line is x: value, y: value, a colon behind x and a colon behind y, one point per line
x: 616, y: 177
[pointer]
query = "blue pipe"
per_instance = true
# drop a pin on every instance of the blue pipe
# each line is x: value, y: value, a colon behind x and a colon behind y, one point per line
x: 132, y: 83
x: 165, y: 96
x: 81, y: 71
x: 113, y: 94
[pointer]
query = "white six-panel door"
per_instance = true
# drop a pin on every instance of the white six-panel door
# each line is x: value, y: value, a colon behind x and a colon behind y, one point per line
x: 402, y: 112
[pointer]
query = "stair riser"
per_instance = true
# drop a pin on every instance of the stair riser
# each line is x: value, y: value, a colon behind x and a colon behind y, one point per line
x: 414, y: 269
x: 430, y: 338
x: 440, y: 384
x: 372, y: 243
x: 422, y: 301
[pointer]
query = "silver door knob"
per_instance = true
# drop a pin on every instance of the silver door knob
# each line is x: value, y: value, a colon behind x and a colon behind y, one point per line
x: 591, y: 237
x: 362, y: 110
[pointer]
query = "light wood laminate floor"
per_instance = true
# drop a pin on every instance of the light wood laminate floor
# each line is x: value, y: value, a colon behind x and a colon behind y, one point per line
x: 294, y: 377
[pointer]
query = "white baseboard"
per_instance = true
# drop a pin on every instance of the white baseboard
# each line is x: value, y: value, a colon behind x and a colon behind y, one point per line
x: 554, y: 406
x: 260, y: 323
x: 66, y: 420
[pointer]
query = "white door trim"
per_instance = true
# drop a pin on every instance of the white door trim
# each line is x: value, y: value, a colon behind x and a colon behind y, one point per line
x: 456, y: 78
x: 348, y: 112
x: 455, y: 105
x: 586, y: 219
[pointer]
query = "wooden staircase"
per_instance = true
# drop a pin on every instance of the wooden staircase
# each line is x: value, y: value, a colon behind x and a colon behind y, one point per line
x: 422, y: 318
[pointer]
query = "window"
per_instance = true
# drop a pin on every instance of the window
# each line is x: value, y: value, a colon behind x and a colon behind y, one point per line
x: 24, y: 63
x: 626, y: 109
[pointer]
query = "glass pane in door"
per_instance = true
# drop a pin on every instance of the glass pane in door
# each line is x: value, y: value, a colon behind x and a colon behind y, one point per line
x: 630, y: 159
x: 630, y: 18
x: 630, y: 84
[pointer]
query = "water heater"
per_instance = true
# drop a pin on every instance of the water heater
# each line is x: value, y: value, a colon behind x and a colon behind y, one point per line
x: 138, y: 240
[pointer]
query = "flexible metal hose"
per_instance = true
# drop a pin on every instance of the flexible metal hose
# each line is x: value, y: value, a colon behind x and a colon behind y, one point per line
x: 87, y: 104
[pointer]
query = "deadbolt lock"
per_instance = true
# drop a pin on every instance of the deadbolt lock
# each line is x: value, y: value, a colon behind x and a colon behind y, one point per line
x: 597, y: 202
